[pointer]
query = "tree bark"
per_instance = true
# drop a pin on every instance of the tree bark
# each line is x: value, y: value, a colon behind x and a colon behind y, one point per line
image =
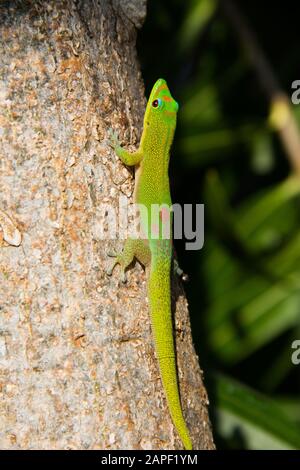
x: 77, y: 362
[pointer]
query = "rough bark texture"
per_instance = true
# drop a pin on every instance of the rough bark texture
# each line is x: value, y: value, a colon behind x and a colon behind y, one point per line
x: 77, y: 364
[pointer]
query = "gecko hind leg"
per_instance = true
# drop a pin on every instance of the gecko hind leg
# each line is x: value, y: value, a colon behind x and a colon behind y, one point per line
x: 177, y: 268
x: 133, y: 248
x: 178, y: 271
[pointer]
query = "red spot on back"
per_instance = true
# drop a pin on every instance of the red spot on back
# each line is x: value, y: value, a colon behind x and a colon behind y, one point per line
x: 164, y: 214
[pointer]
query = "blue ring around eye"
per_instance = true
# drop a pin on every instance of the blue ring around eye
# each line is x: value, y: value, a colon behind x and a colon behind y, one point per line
x: 158, y: 103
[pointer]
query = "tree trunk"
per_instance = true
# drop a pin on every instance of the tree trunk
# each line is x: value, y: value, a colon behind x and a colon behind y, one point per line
x: 77, y: 363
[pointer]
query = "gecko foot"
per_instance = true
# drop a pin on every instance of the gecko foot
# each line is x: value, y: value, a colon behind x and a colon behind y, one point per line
x: 117, y: 260
x: 179, y: 272
x: 113, y: 138
x: 112, y: 254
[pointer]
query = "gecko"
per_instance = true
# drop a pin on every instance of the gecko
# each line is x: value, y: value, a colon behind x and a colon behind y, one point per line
x: 154, y: 249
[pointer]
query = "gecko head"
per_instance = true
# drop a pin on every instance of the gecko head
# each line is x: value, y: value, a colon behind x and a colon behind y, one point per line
x: 161, y: 106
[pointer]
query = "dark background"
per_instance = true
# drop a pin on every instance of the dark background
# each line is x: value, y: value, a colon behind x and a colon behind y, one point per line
x: 244, y: 284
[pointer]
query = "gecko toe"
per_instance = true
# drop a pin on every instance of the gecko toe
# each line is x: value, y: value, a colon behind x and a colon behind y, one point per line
x: 109, y: 270
x: 112, y: 254
x: 113, y: 138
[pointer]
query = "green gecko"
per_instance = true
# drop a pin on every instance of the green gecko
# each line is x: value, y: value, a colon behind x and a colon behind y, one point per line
x: 154, y: 249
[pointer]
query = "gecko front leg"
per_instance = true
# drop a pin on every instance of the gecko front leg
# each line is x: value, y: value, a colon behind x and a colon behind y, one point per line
x: 128, y: 158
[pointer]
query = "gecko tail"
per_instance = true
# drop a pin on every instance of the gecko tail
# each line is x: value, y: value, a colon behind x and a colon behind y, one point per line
x: 167, y: 369
x: 162, y: 329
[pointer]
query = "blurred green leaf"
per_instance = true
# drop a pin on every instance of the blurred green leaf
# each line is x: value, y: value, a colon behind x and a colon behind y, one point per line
x: 251, y: 299
x: 198, y: 147
x: 198, y: 14
x: 257, y: 421
x: 262, y: 153
x: 261, y: 320
x: 202, y: 105
x: 257, y: 210
x: 291, y: 407
x: 280, y: 367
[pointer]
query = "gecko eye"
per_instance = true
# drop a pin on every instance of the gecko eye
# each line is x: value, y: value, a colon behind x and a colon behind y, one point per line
x: 156, y: 103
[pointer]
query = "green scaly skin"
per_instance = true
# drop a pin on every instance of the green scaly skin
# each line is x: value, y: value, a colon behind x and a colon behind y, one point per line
x: 152, y: 187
